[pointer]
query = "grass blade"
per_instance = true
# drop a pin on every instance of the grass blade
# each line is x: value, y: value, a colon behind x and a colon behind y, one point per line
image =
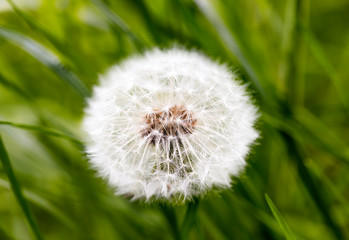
x: 46, y: 57
x: 303, y: 130
x: 45, y: 130
x: 211, y: 227
x: 152, y: 25
x: 14, y: 87
x: 320, y: 198
x: 116, y: 22
x: 294, y: 50
x: 17, y: 190
x: 230, y: 41
x: 316, y: 48
x: 280, y: 220
x: 4, y: 235
x: 44, y: 204
x: 325, y: 137
x: 329, y: 185
x: 33, y: 23
x: 62, y: 47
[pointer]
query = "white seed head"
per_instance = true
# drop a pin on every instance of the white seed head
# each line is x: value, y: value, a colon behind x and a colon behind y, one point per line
x: 169, y: 124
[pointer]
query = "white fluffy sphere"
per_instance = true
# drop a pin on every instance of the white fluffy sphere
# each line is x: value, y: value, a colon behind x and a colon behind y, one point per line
x: 169, y: 124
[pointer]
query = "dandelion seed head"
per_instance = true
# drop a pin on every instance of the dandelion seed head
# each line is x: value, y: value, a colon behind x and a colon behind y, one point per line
x: 169, y: 123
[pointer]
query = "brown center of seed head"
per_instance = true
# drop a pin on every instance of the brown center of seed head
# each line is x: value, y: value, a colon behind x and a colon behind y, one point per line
x: 167, y: 124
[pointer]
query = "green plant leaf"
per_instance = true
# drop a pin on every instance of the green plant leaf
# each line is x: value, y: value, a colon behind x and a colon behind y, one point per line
x: 324, y: 61
x: 280, y: 220
x: 44, y: 204
x: 231, y: 42
x: 46, y: 57
x: 16, y: 188
x: 116, y: 21
x: 14, y: 87
x: 45, y: 130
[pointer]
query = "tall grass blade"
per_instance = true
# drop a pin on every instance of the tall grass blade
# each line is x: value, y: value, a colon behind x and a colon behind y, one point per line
x: 230, y: 41
x: 17, y: 189
x: 294, y: 50
x: 118, y: 23
x: 14, y: 87
x: 46, y: 57
x: 33, y: 23
x: 310, y: 130
x: 211, y: 227
x: 323, y: 135
x: 4, y: 235
x: 44, y: 204
x: 324, y: 61
x: 330, y: 187
x: 152, y: 25
x: 280, y: 220
x: 320, y: 198
x: 60, y: 45
x: 45, y: 130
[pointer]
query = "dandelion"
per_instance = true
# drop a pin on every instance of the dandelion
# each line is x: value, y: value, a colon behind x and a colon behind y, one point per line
x: 169, y: 124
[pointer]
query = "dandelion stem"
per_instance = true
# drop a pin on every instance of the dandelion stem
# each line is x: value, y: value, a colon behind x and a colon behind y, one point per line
x: 187, y: 223
x: 190, y: 218
x: 171, y: 217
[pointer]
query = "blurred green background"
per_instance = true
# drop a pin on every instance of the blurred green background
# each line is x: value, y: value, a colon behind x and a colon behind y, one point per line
x: 293, y: 53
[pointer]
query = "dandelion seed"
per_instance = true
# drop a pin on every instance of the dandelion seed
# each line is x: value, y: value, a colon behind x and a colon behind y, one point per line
x: 169, y: 124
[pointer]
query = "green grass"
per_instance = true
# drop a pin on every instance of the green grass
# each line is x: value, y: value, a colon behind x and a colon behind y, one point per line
x: 292, y: 53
